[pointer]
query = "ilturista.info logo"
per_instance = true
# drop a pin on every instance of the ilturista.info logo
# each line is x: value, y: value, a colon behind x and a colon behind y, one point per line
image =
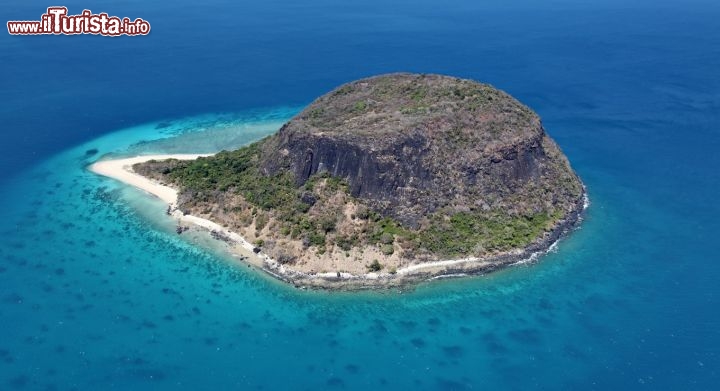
x: 56, y: 21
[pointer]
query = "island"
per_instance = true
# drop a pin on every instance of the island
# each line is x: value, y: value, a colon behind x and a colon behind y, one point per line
x: 382, y: 182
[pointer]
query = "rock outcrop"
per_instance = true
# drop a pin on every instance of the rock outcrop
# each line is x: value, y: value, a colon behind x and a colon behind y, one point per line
x: 411, y: 144
x: 387, y: 174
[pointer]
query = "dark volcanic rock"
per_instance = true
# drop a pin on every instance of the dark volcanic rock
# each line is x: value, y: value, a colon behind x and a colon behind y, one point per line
x: 410, y: 144
x: 387, y: 173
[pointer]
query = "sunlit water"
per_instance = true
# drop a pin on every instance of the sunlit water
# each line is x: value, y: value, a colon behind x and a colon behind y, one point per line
x: 98, y: 292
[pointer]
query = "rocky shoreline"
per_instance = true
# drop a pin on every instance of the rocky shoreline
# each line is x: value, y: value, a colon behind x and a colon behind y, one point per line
x: 407, y: 169
x: 404, y: 277
x: 412, y: 275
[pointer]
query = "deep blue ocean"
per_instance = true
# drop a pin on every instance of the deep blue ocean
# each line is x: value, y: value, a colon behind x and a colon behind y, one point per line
x: 98, y: 292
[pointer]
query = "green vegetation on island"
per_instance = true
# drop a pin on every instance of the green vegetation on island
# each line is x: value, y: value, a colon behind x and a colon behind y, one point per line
x: 398, y: 167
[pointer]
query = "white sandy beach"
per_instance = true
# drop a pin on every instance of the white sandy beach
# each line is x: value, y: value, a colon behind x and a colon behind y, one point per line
x: 121, y: 170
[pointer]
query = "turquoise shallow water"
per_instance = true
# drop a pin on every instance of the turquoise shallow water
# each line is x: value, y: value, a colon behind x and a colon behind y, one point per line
x: 102, y: 293
x: 98, y: 292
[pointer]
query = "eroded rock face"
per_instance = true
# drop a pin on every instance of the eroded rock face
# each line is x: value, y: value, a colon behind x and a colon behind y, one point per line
x: 437, y: 168
x: 411, y: 144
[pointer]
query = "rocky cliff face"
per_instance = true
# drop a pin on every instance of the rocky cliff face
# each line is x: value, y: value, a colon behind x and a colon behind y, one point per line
x: 390, y: 171
x: 410, y: 145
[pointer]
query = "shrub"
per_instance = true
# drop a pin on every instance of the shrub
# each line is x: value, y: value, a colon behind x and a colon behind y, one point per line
x: 363, y: 213
x: 316, y: 239
x: 344, y: 242
x: 327, y: 223
x: 285, y: 258
x: 360, y: 106
x: 374, y: 266
x: 387, y: 249
x: 261, y: 221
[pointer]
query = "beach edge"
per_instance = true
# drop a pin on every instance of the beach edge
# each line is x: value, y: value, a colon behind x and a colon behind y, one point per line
x: 408, y: 276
